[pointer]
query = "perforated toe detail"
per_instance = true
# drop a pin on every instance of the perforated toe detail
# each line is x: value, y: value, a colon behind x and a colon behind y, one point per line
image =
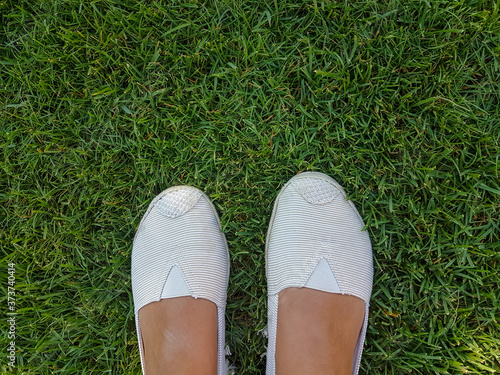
x: 315, y: 190
x: 177, y: 201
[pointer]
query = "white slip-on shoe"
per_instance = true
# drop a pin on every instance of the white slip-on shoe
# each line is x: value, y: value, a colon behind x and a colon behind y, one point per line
x: 180, y: 250
x: 315, y: 240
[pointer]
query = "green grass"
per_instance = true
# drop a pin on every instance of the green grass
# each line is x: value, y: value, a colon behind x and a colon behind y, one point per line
x: 105, y: 103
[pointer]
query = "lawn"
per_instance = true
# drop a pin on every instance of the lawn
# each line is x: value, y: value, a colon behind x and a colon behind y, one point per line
x: 105, y: 103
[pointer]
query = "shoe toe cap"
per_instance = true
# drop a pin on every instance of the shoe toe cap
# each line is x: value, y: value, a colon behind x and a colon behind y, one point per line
x: 178, y: 200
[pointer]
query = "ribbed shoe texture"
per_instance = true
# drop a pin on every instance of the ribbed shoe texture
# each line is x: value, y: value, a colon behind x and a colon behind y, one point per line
x: 312, y: 222
x: 181, y: 231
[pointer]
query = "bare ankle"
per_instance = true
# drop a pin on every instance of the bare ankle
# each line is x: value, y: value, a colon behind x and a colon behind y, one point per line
x: 317, y: 332
x: 179, y: 336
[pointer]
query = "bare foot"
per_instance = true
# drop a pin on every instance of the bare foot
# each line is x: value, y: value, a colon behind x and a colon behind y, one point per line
x: 317, y: 332
x: 179, y: 336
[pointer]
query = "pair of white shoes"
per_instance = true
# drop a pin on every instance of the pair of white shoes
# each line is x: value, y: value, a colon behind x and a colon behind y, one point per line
x: 315, y: 240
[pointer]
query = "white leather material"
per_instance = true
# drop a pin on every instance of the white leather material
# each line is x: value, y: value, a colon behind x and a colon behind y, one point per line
x: 179, y: 249
x: 323, y: 279
x: 313, y: 225
x: 176, y: 285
